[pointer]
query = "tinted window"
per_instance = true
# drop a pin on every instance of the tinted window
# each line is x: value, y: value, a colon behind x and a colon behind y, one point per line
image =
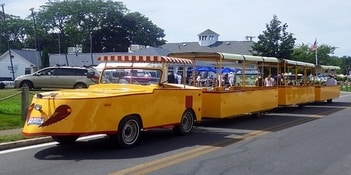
x: 70, y: 72
x: 48, y: 71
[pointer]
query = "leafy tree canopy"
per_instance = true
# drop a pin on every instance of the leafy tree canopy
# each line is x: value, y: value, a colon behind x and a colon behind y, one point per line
x: 107, y: 25
x: 275, y: 41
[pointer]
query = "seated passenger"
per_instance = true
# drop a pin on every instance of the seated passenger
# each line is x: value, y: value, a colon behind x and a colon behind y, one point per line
x: 269, y: 81
x: 331, y: 81
x: 171, y: 78
x: 259, y: 81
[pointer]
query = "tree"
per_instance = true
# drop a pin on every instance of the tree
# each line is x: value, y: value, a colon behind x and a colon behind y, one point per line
x: 305, y: 54
x: 275, y: 41
x: 141, y: 30
x: 346, y: 64
x: 105, y: 24
x: 17, y: 32
x: 45, y: 62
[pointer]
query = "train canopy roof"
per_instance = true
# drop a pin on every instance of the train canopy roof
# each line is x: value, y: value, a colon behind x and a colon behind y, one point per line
x: 298, y: 63
x: 217, y: 56
x: 142, y: 58
x: 324, y: 67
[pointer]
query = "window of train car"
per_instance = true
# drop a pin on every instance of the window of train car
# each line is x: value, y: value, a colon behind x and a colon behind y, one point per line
x: 140, y: 76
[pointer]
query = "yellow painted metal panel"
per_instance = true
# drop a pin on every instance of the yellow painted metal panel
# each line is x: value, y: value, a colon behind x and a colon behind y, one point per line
x: 100, y: 115
x: 327, y: 92
x: 291, y: 95
x: 221, y: 104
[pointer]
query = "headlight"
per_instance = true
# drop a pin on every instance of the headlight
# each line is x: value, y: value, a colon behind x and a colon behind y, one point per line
x: 38, y: 107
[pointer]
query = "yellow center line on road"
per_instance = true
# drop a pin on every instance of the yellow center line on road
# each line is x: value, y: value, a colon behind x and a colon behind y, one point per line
x: 183, y: 156
x: 202, y: 150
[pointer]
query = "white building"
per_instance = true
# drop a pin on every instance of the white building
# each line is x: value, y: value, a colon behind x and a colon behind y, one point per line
x: 23, y: 62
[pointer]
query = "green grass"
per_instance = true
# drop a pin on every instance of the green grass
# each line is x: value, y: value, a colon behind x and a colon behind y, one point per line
x: 12, y: 137
x: 346, y: 88
x: 10, y: 108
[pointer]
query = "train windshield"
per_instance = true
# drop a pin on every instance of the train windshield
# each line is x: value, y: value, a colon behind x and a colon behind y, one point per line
x: 120, y: 75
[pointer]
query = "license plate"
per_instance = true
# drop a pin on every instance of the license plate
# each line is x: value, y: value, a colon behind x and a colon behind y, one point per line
x: 35, y: 121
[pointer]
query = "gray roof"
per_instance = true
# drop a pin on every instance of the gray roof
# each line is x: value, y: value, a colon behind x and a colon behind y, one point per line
x: 208, y: 32
x: 152, y: 51
x: 236, y: 47
x: 80, y: 59
x: 31, y: 56
x: 86, y: 59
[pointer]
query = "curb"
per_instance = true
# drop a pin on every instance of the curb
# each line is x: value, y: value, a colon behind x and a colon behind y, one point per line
x: 26, y: 142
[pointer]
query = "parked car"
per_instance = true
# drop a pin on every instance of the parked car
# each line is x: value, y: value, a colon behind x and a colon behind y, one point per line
x: 6, y: 84
x: 58, y: 77
x: 2, y: 85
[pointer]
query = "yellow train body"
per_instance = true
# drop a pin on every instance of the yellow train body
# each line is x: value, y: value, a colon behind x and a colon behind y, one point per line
x: 323, y: 93
x: 221, y: 104
x: 291, y: 95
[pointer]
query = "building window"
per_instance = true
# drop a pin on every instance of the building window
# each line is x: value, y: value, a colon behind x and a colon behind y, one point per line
x: 27, y: 71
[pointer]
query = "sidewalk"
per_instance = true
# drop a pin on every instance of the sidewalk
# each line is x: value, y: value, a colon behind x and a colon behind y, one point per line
x: 10, y: 131
x: 20, y: 143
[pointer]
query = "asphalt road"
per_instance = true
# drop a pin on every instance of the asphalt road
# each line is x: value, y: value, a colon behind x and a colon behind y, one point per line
x: 309, y: 140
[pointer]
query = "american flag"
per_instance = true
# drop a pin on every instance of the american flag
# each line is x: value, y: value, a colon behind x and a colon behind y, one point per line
x: 314, y: 46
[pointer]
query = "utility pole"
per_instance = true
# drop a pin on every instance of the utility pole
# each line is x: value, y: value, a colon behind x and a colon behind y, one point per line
x: 8, y: 41
x: 91, y: 48
x: 35, y: 36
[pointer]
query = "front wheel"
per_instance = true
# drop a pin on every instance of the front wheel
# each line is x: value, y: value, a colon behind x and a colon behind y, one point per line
x: 80, y: 86
x: 186, y: 123
x: 27, y: 84
x: 65, y: 140
x: 129, y: 132
x: 2, y: 85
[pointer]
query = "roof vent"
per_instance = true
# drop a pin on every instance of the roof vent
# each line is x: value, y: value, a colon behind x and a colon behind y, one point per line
x: 184, y: 44
x: 227, y: 43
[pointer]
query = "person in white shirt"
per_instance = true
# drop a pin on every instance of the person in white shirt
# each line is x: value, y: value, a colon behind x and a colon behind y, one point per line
x: 269, y: 80
x: 231, y: 78
x: 331, y: 81
x: 179, y: 78
x: 198, y: 80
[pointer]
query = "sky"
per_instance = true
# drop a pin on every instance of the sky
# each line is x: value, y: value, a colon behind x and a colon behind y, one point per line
x: 327, y: 21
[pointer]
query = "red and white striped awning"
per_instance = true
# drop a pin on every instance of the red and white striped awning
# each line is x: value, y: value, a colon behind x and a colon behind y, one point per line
x: 141, y: 58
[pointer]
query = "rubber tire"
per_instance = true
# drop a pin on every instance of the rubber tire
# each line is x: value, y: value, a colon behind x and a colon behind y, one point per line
x: 129, y: 130
x: 80, y: 86
x: 257, y: 115
x: 27, y: 83
x: 186, y: 124
x: 329, y: 100
x: 65, y: 140
x: 2, y: 85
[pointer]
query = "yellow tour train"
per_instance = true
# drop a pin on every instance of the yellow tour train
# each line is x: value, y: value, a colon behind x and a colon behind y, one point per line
x: 173, y: 92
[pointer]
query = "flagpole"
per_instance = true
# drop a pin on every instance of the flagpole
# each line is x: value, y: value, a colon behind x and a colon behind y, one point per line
x: 316, y: 56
